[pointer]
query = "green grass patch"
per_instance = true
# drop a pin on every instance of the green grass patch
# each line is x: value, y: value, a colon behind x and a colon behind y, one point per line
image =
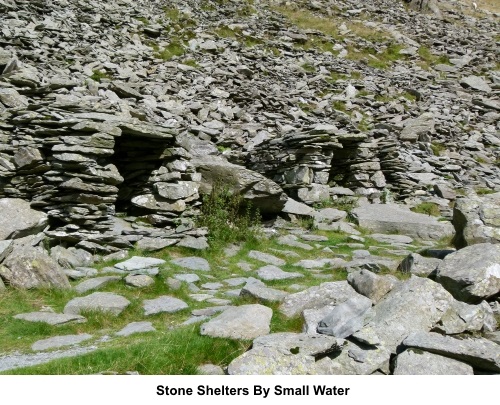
x: 98, y: 75
x: 427, y: 208
x: 178, y: 351
x: 437, y: 148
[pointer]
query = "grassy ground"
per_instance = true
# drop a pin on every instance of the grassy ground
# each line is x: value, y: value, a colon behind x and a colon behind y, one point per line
x: 172, y: 349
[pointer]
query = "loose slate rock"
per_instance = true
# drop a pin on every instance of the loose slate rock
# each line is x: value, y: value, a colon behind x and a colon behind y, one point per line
x: 392, y: 218
x: 284, y: 354
x: 271, y: 272
x: 266, y: 258
x: 192, y: 263
x: 59, y: 341
x: 28, y: 267
x: 18, y: 219
x: 471, y: 274
x: 242, y: 322
x: 370, y: 284
x: 188, y: 278
x: 51, y: 318
x: 164, y: 303
x: 139, y: 263
x: 98, y: 301
x: 136, y: 327
x: 412, y: 362
x: 332, y: 293
x: 480, y: 353
x: 262, y: 293
x: 139, y: 281
x: 346, y: 318
x: 417, y: 304
x: 95, y: 283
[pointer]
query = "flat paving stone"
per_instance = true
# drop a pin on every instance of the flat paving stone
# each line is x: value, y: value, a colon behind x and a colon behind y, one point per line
x: 271, y: 272
x: 139, y: 280
x: 164, y: 303
x: 139, y: 263
x: 59, y: 341
x: 242, y: 322
x: 200, y: 297
x: 291, y: 240
x: 136, y: 327
x: 212, y: 286
x: 188, y: 278
x: 50, y: 318
x: 192, y: 263
x: 234, y: 282
x: 95, y: 283
x: 266, y: 258
x: 98, y: 301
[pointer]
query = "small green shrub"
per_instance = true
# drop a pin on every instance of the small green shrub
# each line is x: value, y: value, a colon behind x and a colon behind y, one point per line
x: 437, y: 148
x: 98, y: 75
x: 228, y: 218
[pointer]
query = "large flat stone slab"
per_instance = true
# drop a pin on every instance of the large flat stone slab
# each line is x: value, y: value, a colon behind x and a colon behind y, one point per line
x: 164, y: 303
x: 393, y: 218
x: 418, y: 362
x: 139, y: 263
x: 95, y: 283
x: 471, y: 274
x: 107, y: 302
x: 332, y: 293
x: 478, y: 352
x: 262, y: 293
x: 417, y: 304
x: 271, y: 272
x: 59, y: 341
x: 266, y: 258
x: 18, y: 219
x: 242, y: 322
x: 50, y: 318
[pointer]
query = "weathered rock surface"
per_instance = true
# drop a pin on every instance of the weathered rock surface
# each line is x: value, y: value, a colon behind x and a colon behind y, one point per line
x: 95, y: 283
x: 473, y: 273
x: 415, y: 305
x: 136, y: 327
x: 164, y: 303
x: 332, y: 293
x: 477, y: 220
x: 271, y: 272
x: 391, y: 218
x: 60, y: 341
x: 242, y: 322
x: 192, y: 263
x: 50, y: 318
x: 370, y: 284
x: 417, y: 362
x: 18, y: 219
x: 139, y: 263
x: 346, y: 318
x: 28, y: 267
x: 111, y: 303
x: 479, y: 353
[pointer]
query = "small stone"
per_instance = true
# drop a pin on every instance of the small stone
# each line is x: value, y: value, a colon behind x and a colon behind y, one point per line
x: 95, y: 283
x: 139, y: 281
x: 164, y: 303
x: 98, y: 301
x: 136, y: 327
x: 139, y: 263
x: 192, y: 263
x: 59, y: 341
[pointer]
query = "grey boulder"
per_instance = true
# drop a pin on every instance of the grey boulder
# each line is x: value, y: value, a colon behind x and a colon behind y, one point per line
x: 418, y: 362
x: 18, y: 219
x: 106, y: 302
x: 164, y: 303
x: 242, y: 322
x: 471, y: 274
x: 29, y: 267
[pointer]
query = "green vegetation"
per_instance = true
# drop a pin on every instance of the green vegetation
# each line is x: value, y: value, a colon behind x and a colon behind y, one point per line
x: 437, y: 148
x: 427, y: 208
x: 484, y: 191
x: 178, y: 351
x: 227, y: 218
x: 172, y: 50
x: 98, y: 75
x: 428, y: 59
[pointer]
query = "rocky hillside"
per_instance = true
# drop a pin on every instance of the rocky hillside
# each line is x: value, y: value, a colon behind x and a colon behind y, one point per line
x: 367, y: 135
